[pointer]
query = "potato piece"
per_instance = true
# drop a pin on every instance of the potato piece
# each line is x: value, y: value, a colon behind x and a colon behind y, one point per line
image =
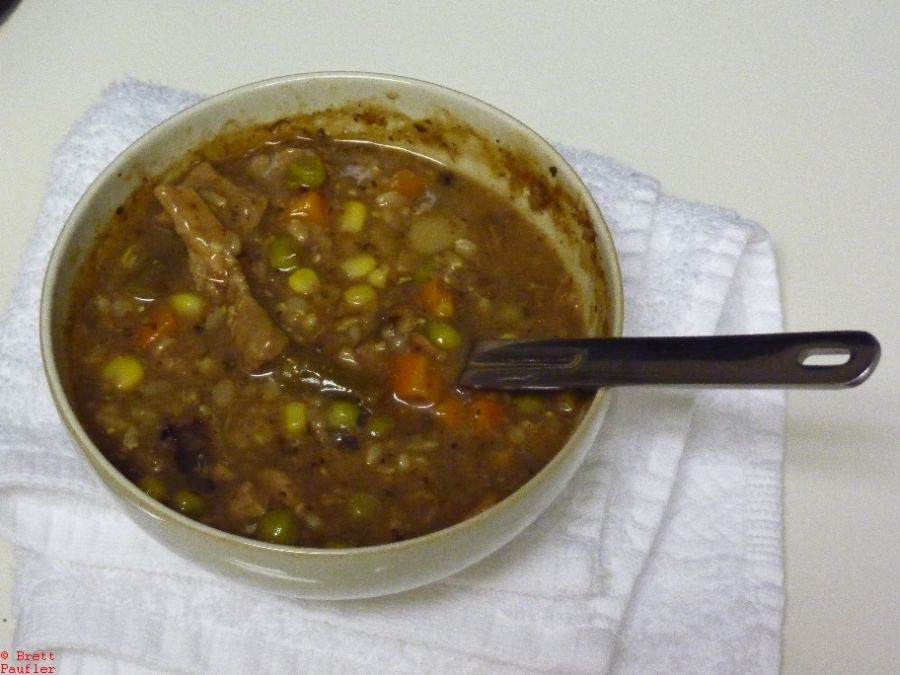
x: 433, y: 232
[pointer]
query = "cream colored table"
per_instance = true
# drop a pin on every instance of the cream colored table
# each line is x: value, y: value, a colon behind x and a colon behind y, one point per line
x: 787, y: 114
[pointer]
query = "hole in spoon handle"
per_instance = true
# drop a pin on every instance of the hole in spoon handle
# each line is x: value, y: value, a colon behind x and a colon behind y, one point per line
x: 849, y: 357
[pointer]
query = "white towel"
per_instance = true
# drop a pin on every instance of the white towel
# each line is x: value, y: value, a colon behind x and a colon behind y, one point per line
x: 663, y: 556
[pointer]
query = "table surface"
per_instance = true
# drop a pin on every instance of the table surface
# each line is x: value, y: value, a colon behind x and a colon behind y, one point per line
x: 788, y: 113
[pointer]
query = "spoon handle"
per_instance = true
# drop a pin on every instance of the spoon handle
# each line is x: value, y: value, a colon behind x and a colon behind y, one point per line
x: 821, y: 359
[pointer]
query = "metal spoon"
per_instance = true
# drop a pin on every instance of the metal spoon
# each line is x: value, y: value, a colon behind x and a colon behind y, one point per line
x: 823, y: 359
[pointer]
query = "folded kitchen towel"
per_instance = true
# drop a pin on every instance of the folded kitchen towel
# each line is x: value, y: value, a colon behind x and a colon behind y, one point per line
x: 664, y: 554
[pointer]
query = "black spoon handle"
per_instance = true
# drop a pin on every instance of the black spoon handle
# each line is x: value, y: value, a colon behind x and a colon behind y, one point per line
x: 821, y: 359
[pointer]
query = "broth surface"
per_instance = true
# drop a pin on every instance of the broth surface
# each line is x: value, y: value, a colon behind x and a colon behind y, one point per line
x: 269, y: 343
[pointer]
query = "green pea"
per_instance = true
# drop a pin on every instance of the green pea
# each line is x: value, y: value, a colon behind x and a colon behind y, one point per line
x: 362, y: 506
x: 444, y: 335
x: 278, y: 526
x: 530, y: 404
x: 342, y: 415
x: 188, y: 502
x: 153, y: 486
x: 306, y: 172
x: 187, y: 305
x: 380, y: 426
x: 424, y: 272
x: 282, y: 253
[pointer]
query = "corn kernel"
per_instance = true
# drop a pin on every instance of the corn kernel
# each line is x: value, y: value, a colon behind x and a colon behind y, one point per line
x: 295, y: 420
x: 124, y: 372
x: 359, y: 295
x: 358, y: 266
x: 378, y: 276
x: 304, y: 280
x: 353, y: 216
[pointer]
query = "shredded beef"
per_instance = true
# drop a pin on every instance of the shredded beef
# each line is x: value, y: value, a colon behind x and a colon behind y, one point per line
x: 212, y: 251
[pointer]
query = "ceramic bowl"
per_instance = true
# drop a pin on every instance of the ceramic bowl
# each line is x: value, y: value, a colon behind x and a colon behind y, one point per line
x: 466, y: 134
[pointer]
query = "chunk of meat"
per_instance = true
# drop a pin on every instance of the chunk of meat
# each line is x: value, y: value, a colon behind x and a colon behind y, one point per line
x: 277, y: 487
x: 237, y: 208
x: 211, y: 248
x: 256, y: 337
x: 246, y: 503
x: 212, y: 251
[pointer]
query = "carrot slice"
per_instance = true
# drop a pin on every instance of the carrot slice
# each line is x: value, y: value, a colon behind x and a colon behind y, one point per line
x: 409, y: 184
x: 414, y: 379
x: 489, y: 413
x: 437, y: 299
x: 452, y: 413
x: 309, y: 206
x: 159, y: 322
x: 483, y: 414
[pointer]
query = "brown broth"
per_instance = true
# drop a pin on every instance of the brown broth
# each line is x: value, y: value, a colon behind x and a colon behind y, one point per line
x: 353, y: 432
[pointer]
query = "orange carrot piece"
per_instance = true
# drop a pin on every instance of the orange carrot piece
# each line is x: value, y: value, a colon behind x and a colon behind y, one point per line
x: 309, y: 206
x: 437, y: 299
x: 482, y: 415
x: 414, y: 379
x: 489, y: 413
x: 159, y: 322
x: 452, y: 413
x: 409, y: 184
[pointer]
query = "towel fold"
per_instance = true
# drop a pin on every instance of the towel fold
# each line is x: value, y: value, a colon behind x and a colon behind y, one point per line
x: 663, y: 555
